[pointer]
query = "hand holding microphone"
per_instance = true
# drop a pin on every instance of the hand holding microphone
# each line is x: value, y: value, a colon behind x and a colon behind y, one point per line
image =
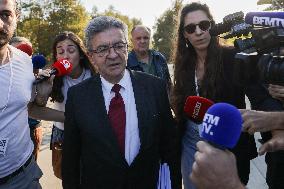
x: 59, y: 68
x: 44, y: 82
x: 216, y: 167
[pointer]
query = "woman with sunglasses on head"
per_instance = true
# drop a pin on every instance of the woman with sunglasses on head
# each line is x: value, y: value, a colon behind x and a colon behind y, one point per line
x: 66, y: 45
x: 204, y: 68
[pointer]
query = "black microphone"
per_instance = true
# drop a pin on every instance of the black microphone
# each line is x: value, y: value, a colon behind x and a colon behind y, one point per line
x: 38, y: 61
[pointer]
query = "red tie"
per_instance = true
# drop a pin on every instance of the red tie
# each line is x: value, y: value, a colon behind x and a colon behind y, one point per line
x: 117, y: 116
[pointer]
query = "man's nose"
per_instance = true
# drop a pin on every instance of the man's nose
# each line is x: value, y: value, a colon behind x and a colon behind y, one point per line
x: 112, y: 53
x: 143, y: 40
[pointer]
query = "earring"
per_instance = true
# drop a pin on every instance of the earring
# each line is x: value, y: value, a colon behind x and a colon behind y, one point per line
x: 186, y: 43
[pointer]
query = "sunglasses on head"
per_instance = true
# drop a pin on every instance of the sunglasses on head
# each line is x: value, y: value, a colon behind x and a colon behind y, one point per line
x: 204, y: 25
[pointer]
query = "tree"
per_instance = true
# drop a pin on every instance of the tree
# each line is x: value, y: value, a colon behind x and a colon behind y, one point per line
x: 43, y: 20
x: 274, y: 4
x: 165, y: 28
x: 130, y: 22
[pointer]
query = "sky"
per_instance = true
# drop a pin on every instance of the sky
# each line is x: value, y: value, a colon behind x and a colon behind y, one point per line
x: 149, y: 10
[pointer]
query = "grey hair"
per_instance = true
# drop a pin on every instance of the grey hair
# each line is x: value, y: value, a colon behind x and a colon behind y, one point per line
x: 18, y: 39
x: 100, y: 24
x: 141, y: 26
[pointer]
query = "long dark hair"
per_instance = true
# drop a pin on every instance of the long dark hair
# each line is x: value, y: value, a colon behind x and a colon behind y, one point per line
x: 56, y: 93
x: 185, y: 58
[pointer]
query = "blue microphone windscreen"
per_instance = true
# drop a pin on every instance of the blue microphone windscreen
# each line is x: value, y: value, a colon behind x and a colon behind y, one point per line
x: 38, y: 61
x: 222, y: 125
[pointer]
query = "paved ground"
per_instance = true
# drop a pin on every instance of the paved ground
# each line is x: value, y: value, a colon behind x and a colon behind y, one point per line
x: 48, y: 181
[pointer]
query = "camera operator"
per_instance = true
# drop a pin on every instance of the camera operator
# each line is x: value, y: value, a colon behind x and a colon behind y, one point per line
x: 260, y: 60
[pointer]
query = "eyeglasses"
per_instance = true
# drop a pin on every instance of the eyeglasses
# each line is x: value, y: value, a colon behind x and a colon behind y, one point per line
x: 204, y: 25
x: 120, y: 47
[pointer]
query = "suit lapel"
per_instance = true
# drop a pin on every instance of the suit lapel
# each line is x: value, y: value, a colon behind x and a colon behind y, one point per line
x: 102, y: 121
x: 142, y: 105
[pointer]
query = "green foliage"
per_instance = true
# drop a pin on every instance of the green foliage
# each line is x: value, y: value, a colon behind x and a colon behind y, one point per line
x: 130, y: 22
x: 274, y: 4
x: 42, y: 21
x: 164, y: 29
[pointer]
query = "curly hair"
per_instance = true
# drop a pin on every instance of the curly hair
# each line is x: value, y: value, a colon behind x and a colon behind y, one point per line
x: 185, y: 58
x: 56, y: 93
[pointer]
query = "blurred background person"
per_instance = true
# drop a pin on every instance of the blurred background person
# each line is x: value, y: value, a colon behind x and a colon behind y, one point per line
x: 144, y: 59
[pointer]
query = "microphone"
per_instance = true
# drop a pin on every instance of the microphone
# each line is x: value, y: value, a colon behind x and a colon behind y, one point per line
x: 38, y: 61
x: 228, y: 22
x: 26, y: 48
x: 195, y: 108
x: 59, y: 68
x: 222, y: 125
x: 270, y: 19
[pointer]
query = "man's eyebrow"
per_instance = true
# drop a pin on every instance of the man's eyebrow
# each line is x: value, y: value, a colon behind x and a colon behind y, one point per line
x: 6, y: 11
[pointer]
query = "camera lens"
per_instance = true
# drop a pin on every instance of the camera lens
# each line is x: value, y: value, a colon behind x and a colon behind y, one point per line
x: 271, y: 69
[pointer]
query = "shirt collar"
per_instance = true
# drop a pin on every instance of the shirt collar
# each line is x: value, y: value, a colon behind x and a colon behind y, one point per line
x: 124, y: 82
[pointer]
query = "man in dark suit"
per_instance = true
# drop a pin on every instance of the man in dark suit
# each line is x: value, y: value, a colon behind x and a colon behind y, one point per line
x: 118, y: 125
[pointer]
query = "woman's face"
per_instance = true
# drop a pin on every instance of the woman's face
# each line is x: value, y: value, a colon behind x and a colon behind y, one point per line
x: 67, y: 49
x: 196, y: 29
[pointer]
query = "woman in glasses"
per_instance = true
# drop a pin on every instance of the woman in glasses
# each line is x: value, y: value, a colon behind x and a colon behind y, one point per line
x: 204, y: 68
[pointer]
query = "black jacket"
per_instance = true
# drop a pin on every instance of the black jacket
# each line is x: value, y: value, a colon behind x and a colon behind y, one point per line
x: 91, y: 156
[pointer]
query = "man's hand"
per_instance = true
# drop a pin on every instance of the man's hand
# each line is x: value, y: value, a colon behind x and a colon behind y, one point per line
x: 259, y: 121
x: 214, y: 168
x: 277, y: 92
x: 274, y: 144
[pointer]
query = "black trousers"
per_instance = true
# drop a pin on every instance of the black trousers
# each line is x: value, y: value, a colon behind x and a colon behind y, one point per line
x: 275, y: 169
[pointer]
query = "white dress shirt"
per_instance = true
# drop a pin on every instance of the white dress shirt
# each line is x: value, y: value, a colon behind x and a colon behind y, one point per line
x: 132, y: 139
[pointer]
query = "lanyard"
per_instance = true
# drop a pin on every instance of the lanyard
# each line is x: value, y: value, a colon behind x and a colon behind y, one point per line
x: 196, y: 84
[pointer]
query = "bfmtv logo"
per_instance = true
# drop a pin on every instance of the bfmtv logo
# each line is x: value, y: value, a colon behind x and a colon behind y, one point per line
x: 208, y: 122
x: 65, y: 63
x: 267, y: 21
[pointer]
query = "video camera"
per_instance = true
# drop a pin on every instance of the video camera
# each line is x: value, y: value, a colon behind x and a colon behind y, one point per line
x: 261, y: 51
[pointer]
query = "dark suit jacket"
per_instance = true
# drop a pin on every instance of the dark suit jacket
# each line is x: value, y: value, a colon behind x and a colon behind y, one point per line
x: 91, y: 156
